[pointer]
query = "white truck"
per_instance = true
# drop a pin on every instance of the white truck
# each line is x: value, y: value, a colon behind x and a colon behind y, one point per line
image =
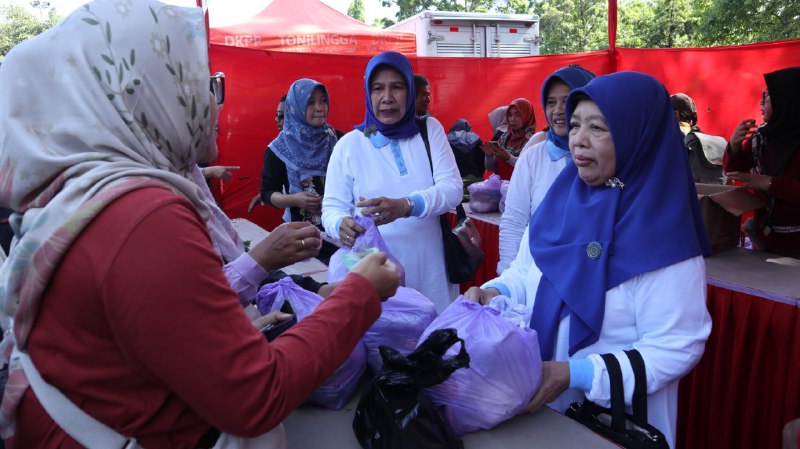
x: 480, y: 35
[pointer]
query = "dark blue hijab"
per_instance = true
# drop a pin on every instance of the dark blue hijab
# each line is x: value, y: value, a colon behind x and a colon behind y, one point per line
x: 573, y: 76
x: 303, y: 148
x: 407, y: 127
x: 587, y: 240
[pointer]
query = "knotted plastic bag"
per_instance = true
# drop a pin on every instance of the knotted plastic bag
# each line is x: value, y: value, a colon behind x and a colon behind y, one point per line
x: 505, y: 369
x: 503, y: 193
x: 484, y: 196
x: 339, y: 388
x: 394, y: 413
x: 370, y: 241
x: 403, y: 318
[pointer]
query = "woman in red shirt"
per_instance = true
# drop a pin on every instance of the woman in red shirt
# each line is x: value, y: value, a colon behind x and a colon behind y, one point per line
x: 118, y: 296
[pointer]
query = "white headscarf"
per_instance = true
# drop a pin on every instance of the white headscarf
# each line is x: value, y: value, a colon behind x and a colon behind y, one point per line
x: 499, y: 119
x: 112, y: 99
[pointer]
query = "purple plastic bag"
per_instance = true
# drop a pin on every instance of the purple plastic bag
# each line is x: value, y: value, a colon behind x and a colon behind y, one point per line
x: 371, y: 238
x: 338, y: 389
x: 484, y: 196
x: 503, y: 193
x: 403, y: 318
x: 505, y: 367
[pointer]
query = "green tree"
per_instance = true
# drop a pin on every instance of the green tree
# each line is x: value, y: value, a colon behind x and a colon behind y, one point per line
x: 17, y: 25
x: 356, y: 10
x: 407, y: 8
x: 729, y: 22
x: 383, y: 22
x: 569, y: 26
x: 659, y: 23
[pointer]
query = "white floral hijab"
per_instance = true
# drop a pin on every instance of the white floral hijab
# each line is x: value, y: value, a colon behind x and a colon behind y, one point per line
x: 112, y: 99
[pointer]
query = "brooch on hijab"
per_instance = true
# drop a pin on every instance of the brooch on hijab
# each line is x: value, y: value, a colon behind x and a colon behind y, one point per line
x: 615, y: 182
x: 372, y: 129
x: 594, y: 250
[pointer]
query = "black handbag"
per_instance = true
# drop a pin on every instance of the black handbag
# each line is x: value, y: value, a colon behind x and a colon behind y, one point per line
x: 630, y: 432
x: 462, y: 243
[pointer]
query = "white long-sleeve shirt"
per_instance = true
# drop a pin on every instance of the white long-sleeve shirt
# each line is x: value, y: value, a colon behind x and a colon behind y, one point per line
x: 661, y: 313
x: 358, y: 169
x: 532, y: 177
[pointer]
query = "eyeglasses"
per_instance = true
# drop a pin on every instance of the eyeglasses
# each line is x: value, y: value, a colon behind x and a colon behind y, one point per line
x: 218, y: 87
x: 279, y: 115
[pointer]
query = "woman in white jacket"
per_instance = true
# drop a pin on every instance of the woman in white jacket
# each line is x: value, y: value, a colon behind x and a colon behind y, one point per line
x: 617, y: 262
x: 382, y: 170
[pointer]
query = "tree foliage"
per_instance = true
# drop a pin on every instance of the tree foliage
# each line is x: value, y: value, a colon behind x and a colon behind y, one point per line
x: 356, y: 10
x: 17, y: 25
x: 582, y: 25
x: 569, y: 26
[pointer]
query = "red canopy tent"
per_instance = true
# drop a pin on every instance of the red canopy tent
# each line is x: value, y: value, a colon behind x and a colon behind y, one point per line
x: 310, y: 26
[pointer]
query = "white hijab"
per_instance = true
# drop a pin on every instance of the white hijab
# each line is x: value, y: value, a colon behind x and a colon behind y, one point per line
x: 112, y: 99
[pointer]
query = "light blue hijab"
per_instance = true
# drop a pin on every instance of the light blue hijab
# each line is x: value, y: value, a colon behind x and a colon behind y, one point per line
x: 573, y: 76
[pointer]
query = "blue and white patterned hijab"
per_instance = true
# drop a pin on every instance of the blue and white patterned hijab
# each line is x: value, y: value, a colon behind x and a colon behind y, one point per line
x: 304, y: 149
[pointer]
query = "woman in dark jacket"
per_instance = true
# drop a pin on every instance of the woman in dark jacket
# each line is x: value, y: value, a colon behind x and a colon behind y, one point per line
x: 466, y: 147
x: 767, y: 160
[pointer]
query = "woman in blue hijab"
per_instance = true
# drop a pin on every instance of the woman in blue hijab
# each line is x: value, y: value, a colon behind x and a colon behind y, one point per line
x: 617, y: 258
x: 540, y: 163
x: 295, y: 163
x: 382, y: 170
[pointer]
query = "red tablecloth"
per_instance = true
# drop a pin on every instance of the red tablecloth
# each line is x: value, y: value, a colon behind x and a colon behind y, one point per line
x: 747, y: 385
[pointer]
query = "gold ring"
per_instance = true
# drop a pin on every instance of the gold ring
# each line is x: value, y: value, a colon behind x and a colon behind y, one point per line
x: 303, y: 242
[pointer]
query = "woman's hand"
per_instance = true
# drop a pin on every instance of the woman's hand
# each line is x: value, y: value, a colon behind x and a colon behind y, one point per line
x: 744, y: 131
x: 221, y: 172
x: 481, y: 296
x: 502, y: 153
x: 254, y: 202
x: 751, y: 180
x: 487, y: 148
x: 380, y: 272
x: 310, y: 201
x: 384, y: 210
x: 349, y: 230
x: 555, y: 380
x: 287, y: 244
x: 271, y: 318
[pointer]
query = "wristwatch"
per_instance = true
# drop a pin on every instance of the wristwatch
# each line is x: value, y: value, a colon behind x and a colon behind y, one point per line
x: 410, y: 206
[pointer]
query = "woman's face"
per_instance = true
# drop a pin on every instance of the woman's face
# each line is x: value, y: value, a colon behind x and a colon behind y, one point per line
x: 591, y: 144
x: 766, y: 106
x: 317, y: 109
x: 514, y: 118
x: 555, y: 105
x: 388, y: 93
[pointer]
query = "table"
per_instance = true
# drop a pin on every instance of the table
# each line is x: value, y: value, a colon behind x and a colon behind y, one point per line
x: 312, y: 427
x: 488, y: 226
x: 747, y: 384
x: 312, y: 267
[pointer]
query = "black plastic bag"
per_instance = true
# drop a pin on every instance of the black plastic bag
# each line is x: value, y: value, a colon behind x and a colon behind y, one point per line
x: 394, y: 413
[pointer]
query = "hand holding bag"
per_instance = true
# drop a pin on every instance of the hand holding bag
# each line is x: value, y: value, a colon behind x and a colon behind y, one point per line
x: 462, y: 244
x: 630, y: 432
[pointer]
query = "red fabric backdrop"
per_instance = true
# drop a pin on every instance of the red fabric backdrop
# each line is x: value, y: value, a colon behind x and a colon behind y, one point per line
x: 725, y: 82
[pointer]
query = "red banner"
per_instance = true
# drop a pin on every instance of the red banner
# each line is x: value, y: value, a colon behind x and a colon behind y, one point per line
x: 725, y: 82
